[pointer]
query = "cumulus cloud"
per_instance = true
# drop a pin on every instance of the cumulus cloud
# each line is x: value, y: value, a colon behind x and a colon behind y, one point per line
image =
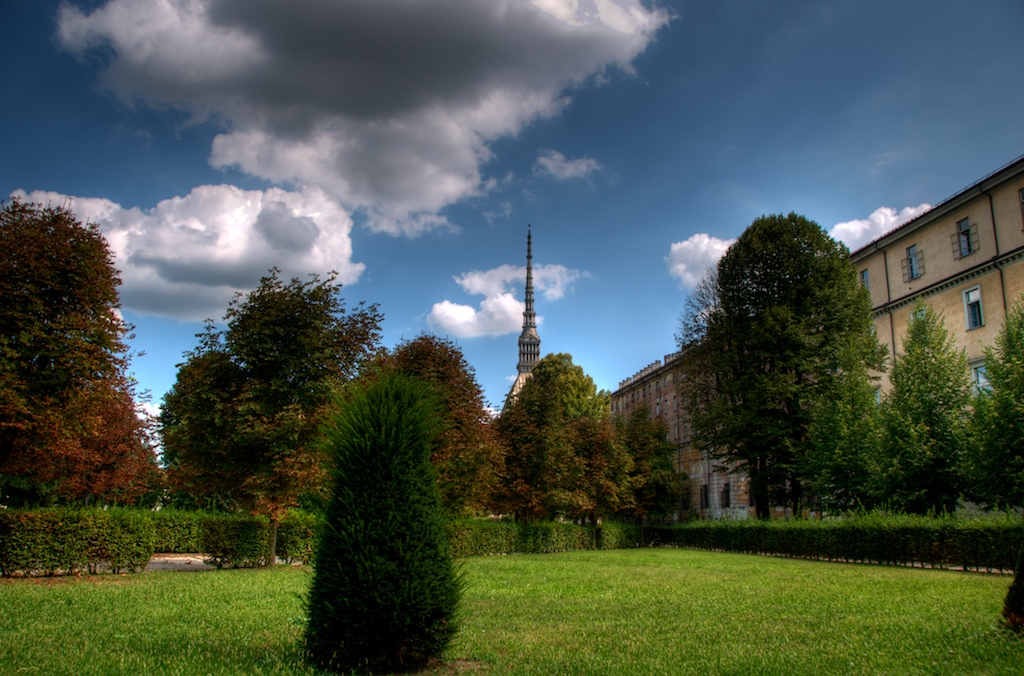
x: 555, y: 164
x: 388, y: 106
x: 499, y: 312
x: 186, y: 257
x: 857, y: 233
x: 689, y: 259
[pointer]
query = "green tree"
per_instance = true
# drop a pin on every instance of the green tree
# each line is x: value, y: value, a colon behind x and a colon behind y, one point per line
x: 241, y: 421
x: 385, y: 590
x: 996, y: 458
x: 844, y: 438
x: 560, y: 455
x: 68, y: 424
x: 778, y: 319
x: 467, y: 456
x: 655, y: 484
x: 924, y: 420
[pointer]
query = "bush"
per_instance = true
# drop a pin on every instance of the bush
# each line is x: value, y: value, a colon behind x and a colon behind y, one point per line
x: 1013, y: 606
x: 178, y: 532
x: 235, y: 541
x: 296, y: 537
x: 978, y: 543
x: 385, y: 589
x: 66, y: 541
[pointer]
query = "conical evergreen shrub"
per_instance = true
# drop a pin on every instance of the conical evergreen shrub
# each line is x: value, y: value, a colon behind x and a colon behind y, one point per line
x: 385, y: 589
x: 1013, y: 606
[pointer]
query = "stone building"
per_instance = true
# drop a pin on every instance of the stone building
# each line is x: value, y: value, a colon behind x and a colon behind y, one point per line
x: 710, y: 491
x: 529, y: 341
x: 963, y: 258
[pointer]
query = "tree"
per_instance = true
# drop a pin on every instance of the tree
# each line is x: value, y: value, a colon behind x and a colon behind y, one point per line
x: 655, y: 484
x: 780, y: 317
x: 996, y: 458
x: 844, y: 437
x: 467, y: 456
x: 924, y: 420
x: 241, y: 420
x: 561, y: 458
x: 68, y: 425
x: 385, y: 589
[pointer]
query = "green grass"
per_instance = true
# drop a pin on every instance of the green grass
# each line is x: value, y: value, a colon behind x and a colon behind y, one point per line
x: 653, y: 611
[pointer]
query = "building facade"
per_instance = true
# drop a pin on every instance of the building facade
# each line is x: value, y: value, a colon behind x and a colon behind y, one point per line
x: 963, y: 258
x: 710, y: 491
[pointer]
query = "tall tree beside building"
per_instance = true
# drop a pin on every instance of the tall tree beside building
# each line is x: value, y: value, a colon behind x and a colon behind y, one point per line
x: 467, y: 455
x: 68, y: 425
x: 656, y: 486
x: 924, y: 420
x: 995, y: 464
x: 844, y: 439
x: 246, y: 409
x: 781, y: 316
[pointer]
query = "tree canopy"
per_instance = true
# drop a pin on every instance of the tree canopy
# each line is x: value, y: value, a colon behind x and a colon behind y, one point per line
x: 996, y: 463
x: 240, y: 422
x: 68, y: 425
x: 763, y: 337
x: 924, y: 419
x: 467, y: 455
x: 562, y: 457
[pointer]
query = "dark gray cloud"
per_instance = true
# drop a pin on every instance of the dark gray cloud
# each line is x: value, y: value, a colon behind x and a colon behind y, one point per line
x: 386, y: 104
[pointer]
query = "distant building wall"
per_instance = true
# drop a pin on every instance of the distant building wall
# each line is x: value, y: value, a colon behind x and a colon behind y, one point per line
x: 709, y: 492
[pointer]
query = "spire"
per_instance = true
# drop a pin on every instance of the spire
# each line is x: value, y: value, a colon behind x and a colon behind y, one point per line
x: 529, y: 341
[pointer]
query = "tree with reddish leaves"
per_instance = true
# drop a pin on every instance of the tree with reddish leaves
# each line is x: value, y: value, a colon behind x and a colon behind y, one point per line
x: 240, y: 424
x: 467, y: 456
x: 69, y: 431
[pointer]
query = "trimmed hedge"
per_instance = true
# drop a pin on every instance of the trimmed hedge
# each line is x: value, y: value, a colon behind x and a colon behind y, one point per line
x: 485, y: 537
x: 973, y: 543
x: 69, y: 541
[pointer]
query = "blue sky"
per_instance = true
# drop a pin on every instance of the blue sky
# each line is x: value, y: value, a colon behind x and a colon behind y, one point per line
x: 408, y: 143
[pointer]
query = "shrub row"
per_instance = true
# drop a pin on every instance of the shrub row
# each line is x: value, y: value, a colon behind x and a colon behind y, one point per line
x: 973, y: 543
x: 69, y: 541
x: 472, y: 537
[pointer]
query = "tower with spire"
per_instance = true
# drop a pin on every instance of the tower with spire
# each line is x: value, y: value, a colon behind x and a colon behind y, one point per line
x: 529, y: 341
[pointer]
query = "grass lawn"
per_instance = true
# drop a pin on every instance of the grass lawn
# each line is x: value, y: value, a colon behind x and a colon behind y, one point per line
x: 654, y: 611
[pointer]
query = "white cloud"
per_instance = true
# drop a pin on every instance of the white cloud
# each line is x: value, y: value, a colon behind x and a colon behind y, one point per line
x: 857, y: 233
x: 187, y: 256
x: 374, y: 102
x: 688, y: 260
x: 499, y: 312
x: 555, y: 164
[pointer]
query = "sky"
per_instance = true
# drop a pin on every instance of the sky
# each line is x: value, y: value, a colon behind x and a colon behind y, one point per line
x: 407, y: 145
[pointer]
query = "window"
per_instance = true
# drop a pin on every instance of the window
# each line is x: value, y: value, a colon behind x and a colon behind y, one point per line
x: 965, y: 239
x: 972, y: 308
x: 979, y: 378
x: 864, y: 278
x: 913, y: 264
x: 1022, y: 203
x: 705, y: 496
x: 726, y: 495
